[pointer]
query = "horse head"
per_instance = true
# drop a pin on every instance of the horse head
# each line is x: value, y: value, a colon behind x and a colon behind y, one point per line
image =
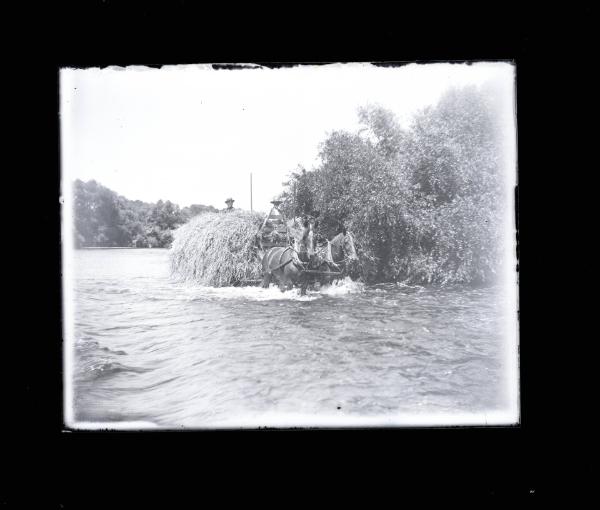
x: 343, y: 250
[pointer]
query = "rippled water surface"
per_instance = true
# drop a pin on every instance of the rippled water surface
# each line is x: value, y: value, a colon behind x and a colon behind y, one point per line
x: 149, y: 349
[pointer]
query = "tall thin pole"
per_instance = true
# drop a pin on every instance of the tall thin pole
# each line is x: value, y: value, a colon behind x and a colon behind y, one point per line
x: 294, y: 200
x: 250, y: 191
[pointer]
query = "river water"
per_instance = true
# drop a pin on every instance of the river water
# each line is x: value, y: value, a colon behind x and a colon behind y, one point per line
x: 153, y: 352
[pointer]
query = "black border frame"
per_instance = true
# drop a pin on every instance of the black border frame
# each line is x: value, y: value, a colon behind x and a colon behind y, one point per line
x: 473, y: 460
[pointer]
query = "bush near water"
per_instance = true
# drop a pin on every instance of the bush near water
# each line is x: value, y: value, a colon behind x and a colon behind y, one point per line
x: 425, y: 202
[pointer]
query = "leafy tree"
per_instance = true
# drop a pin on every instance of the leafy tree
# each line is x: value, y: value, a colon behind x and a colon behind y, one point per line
x: 298, y: 199
x: 103, y: 218
x: 424, y: 203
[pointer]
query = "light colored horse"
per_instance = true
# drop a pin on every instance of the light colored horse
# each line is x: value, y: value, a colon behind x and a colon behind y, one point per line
x: 282, y: 264
x: 343, y: 254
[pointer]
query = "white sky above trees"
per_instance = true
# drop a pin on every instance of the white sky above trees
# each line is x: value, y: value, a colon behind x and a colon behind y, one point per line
x: 191, y: 134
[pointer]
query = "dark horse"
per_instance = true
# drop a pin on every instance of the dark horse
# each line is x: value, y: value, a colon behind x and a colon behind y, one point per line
x: 285, y: 266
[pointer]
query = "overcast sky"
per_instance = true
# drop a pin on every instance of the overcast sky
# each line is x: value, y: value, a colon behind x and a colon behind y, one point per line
x: 191, y: 134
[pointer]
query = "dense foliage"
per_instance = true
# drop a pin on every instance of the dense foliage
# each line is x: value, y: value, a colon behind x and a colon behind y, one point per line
x: 103, y: 218
x: 425, y: 203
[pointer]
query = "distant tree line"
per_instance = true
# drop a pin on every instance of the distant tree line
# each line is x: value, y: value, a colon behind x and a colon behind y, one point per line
x: 105, y: 219
x: 426, y: 202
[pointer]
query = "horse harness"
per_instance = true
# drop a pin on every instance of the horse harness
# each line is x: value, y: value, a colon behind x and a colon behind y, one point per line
x: 291, y: 259
x: 281, y: 266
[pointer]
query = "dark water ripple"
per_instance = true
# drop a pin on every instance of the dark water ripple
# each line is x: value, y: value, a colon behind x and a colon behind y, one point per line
x: 153, y: 350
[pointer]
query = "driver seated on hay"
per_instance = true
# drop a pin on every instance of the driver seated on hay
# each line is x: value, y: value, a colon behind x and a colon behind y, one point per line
x: 229, y: 203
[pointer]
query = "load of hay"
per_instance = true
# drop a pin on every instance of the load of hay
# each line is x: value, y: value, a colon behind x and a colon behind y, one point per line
x: 217, y: 249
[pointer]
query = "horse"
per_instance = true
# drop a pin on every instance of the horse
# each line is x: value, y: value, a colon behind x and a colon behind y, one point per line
x: 284, y: 265
x: 343, y: 254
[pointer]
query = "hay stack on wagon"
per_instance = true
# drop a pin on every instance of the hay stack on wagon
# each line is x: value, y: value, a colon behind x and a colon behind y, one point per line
x: 217, y: 249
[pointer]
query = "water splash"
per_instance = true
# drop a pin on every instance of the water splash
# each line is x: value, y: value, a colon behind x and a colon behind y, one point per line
x: 248, y: 293
x: 191, y: 292
x: 403, y: 285
x: 343, y: 287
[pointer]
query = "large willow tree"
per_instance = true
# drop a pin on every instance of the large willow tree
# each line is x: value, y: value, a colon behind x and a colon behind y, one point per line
x: 425, y: 203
